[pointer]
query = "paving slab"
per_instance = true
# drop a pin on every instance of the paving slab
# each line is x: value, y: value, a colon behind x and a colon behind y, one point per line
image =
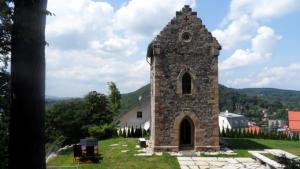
x: 245, y: 160
x: 202, y: 163
x: 218, y: 163
x: 181, y: 162
x: 193, y: 167
x: 184, y: 167
x: 185, y: 158
x: 232, y: 160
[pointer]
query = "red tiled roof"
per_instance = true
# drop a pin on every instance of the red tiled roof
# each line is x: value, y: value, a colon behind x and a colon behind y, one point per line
x: 294, y: 120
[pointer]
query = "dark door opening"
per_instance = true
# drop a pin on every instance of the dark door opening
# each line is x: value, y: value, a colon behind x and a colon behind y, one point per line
x: 186, y: 133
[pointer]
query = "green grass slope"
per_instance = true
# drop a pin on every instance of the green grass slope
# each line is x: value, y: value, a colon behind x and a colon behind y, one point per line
x: 113, y: 157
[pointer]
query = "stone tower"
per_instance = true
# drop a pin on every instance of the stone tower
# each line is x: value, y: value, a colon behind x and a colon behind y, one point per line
x: 184, y: 85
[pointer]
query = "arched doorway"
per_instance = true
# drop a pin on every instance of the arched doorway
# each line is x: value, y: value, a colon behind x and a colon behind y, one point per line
x: 186, y: 135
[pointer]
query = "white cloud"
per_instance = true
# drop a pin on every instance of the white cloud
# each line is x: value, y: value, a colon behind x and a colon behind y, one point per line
x: 241, y: 58
x: 144, y: 18
x: 262, y: 9
x: 280, y: 77
x: 78, y: 16
x: 238, y: 81
x: 246, y: 15
x: 262, y: 46
x: 237, y: 31
x: 80, y: 68
x: 92, y: 43
x: 265, y: 40
x: 277, y: 75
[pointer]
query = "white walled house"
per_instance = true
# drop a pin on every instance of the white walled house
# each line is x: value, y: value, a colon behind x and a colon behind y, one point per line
x: 232, y: 121
x: 137, y: 116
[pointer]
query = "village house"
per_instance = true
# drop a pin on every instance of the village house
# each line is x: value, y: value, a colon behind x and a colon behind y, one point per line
x: 294, y: 121
x: 232, y: 121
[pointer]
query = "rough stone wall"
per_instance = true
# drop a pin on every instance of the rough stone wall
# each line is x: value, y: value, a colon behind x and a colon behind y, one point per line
x: 172, y: 55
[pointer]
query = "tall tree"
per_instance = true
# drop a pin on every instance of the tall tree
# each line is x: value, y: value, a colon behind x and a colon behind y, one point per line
x: 114, y: 98
x: 28, y: 85
x: 6, y: 12
x: 66, y: 118
x: 98, y: 112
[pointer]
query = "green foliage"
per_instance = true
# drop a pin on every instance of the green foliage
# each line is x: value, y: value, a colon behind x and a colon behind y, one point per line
x: 249, y: 102
x: 128, y: 100
x: 223, y: 134
x: 124, y: 133
x: 6, y: 13
x: 243, y: 133
x: 114, y: 98
x: 97, y: 109
x: 66, y: 118
x: 103, y: 131
x: 146, y: 133
x: 288, y: 163
x: 72, y: 118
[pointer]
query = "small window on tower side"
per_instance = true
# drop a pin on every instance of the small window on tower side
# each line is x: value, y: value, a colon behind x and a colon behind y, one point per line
x: 139, y: 114
x: 186, y: 84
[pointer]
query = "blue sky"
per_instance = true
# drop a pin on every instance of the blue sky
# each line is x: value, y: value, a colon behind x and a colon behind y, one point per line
x: 96, y: 41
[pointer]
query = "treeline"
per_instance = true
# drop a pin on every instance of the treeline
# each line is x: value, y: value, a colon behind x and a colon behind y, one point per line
x: 246, y: 133
x: 90, y: 116
x: 238, y: 101
x: 249, y: 102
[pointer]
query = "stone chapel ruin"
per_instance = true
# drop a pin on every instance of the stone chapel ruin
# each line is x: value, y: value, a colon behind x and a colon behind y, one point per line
x: 184, y: 85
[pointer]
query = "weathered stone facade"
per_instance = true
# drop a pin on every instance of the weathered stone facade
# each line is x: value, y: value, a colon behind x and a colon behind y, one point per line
x: 184, y: 46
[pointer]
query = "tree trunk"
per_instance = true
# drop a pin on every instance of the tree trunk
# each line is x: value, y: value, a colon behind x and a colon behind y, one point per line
x: 27, y: 146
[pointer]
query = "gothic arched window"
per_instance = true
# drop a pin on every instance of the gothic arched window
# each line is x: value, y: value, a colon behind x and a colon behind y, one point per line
x: 186, y: 83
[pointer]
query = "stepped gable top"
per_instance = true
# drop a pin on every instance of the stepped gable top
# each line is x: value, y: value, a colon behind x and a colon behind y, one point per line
x: 186, y: 19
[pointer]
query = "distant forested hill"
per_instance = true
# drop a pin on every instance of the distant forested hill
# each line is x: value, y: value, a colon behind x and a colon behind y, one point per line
x: 249, y: 102
x: 287, y: 97
x: 50, y: 100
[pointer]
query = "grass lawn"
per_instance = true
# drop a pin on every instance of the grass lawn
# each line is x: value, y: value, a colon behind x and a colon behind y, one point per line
x: 243, y: 145
x: 113, y: 158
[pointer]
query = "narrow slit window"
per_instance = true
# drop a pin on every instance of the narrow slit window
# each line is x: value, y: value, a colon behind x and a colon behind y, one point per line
x: 186, y: 84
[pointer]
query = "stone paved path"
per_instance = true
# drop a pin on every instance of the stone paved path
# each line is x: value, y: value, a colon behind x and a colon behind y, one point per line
x: 218, y: 163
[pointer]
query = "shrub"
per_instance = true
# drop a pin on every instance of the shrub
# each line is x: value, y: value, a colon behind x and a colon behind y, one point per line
x: 102, y: 132
x: 289, y: 163
x: 223, y: 134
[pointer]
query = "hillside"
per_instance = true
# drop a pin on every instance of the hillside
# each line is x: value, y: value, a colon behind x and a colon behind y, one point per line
x: 287, y: 97
x: 248, y: 101
x: 130, y: 99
